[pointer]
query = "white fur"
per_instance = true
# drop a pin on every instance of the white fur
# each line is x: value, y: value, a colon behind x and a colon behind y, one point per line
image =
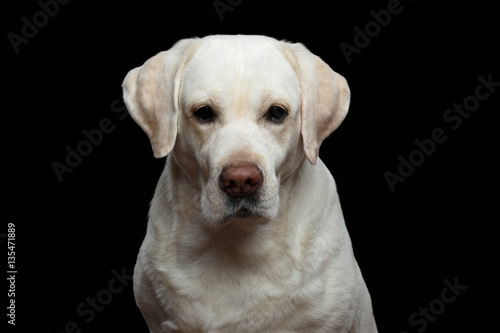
x: 289, y: 267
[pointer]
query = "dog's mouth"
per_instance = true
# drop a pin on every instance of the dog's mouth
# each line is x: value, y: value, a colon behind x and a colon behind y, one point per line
x: 243, y: 212
x: 242, y: 208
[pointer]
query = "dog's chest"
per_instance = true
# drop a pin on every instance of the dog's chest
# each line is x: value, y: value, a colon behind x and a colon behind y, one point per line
x: 245, y: 302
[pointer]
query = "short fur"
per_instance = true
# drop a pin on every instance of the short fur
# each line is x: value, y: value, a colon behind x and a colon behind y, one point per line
x: 203, y: 267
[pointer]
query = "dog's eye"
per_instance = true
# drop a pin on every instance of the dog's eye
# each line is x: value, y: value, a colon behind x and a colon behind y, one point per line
x: 204, y: 114
x: 276, y: 114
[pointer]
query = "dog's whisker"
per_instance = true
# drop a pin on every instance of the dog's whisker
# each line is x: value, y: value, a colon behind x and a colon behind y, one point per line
x: 188, y: 185
x: 282, y: 190
x: 196, y: 197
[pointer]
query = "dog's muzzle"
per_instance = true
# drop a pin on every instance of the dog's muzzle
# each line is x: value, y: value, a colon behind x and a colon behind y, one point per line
x: 243, y: 192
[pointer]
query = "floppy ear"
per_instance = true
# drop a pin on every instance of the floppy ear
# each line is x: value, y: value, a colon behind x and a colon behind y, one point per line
x: 151, y: 95
x: 325, y: 98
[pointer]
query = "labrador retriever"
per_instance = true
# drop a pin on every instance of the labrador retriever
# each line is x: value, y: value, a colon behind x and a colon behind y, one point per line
x: 245, y: 231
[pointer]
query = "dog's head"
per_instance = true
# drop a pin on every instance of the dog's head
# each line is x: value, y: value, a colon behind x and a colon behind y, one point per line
x: 238, y: 113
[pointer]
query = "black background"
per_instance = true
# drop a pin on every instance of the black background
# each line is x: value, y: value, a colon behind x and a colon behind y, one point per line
x: 439, y: 224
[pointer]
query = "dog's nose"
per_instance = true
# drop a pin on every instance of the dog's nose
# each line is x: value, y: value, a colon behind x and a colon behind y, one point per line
x: 240, y: 181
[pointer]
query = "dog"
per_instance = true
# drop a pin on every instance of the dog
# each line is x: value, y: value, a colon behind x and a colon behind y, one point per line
x: 245, y: 230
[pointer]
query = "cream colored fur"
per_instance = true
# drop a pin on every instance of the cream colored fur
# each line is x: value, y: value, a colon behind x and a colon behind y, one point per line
x: 289, y: 266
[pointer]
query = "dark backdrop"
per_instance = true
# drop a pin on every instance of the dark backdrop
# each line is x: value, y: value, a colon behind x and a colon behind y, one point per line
x: 414, y: 160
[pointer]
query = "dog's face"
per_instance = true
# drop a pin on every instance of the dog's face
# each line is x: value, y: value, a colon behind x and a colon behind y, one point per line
x: 239, y: 113
x: 238, y: 124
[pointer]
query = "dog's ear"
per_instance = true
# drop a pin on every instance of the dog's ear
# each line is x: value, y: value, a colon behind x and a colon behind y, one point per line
x: 151, y: 95
x: 325, y: 98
